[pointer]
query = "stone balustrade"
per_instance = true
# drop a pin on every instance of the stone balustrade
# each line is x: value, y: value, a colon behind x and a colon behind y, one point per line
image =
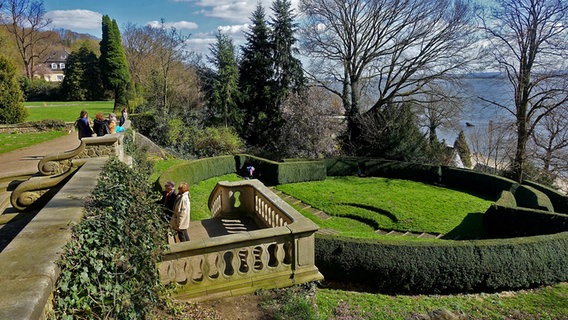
x: 278, y: 254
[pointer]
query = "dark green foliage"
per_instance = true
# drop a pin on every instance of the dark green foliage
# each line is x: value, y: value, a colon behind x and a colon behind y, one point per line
x: 559, y: 200
x: 507, y: 199
x: 463, y: 149
x: 288, y: 73
x: 11, y: 98
x: 444, y: 266
x: 401, y: 170
x: 223, y: 104
x: 108, y: 269
x: 505, y: 221
x: 113, y: 64
x: 82, y: 77
x: 256, y: 82
x: 529, y: 197
x: 392, y: 133
x: 483, y: 184
x: 40, y: 90
x: 194, y: 171
x: 273, y: 173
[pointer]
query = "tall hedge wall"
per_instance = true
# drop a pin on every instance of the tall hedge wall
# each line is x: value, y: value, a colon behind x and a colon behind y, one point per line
x: 445, y: 266
x: 559, y: 200
x: 484, y: 184
x: 507, y: 221
x: 194, y: 171
x: 273, y: 172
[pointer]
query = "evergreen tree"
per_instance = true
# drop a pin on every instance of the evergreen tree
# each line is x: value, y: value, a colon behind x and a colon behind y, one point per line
x: 460, y: 145
x: 12, y: 108
x: 223, y: 106
x: 288, y: 69
x: 114, y: 67
x: 262, y: 118
x: 82, y: 76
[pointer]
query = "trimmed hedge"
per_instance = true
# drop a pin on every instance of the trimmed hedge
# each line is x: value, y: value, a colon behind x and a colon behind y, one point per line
x: 444, y: 266
x: 479, y: 183
x: 559, y: 200
x: 194, y: 171
x: 529, y: 197
x: 507, y: 221
x: 273, y: 172
x: 507, y: 198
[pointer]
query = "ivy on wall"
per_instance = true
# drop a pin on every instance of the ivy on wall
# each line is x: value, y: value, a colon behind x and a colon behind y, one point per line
x: 108, y: 269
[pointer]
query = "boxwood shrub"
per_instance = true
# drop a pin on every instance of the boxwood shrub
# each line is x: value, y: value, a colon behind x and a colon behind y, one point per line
x: 506, y: 221
x: 399, y: 266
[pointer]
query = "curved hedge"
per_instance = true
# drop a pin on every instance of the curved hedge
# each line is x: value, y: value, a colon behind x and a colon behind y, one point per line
x: 438, y: 266
x: 399, y: 266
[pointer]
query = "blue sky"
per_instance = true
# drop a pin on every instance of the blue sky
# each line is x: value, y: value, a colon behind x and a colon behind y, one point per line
x: 200, y: 18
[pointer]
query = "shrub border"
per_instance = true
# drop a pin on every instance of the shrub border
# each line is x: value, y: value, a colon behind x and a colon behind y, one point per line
x: 440, y: 266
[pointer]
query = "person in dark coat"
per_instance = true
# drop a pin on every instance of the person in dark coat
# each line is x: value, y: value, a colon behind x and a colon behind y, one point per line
x: 168, y: 200
x: 100, y: 125
x: 82, y: 125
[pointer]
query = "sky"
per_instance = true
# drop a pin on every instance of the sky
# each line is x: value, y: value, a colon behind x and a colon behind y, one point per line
x: 201, y: 19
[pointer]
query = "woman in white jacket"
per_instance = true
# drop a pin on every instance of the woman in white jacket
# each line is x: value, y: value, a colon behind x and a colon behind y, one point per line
x: 180, y: 218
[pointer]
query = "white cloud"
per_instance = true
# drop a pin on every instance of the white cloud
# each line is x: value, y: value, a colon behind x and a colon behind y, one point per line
x: 178, y: 25
x: 75, y: 19
x: 234, y: 29
x: 231, y: 10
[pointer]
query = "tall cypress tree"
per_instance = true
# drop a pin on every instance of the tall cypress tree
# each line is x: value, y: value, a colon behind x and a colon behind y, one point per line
x: 262, y: 117
x: 223, y: 103
x: 114, y: 67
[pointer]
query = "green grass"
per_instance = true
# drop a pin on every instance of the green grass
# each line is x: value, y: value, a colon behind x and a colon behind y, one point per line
x: 361, y: 205
x: 13, y: 141
x: 67, y: 111
x: 544, y: 303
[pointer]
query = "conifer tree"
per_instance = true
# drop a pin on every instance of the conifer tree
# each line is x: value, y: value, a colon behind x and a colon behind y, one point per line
x: 223, y: 106
x: 262, y: 118
x: 289, y: 75
x: 114, y: 67
x: 12, y: 108
x: 82, y: 76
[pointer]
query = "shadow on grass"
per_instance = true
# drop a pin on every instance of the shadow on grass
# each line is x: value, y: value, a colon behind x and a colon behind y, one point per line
x: 471, y: 228
x: 370, y: 222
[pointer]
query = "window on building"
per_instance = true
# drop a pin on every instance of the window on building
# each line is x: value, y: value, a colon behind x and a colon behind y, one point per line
x: 62, y: 66
x: 54, y: 66
x: 59, y: 77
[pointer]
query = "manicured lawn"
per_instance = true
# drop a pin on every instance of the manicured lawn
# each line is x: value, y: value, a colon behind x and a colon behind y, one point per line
x: 67, y: 110
x: 361, y: 205
x: 13, y: 141
x: 543, y: 303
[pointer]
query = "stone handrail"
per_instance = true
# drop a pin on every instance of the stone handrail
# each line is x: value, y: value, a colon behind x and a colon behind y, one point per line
x: 279, y: 254
x: 56, y: 167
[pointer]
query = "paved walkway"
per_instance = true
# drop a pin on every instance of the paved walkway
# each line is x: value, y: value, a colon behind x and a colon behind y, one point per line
x: 25, y: 160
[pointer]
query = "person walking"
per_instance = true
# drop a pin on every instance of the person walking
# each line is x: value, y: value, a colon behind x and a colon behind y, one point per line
x: 180, y: 218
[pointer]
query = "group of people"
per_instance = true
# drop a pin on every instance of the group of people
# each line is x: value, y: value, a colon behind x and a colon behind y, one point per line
x: 177, y: 209
x: 101, y: 125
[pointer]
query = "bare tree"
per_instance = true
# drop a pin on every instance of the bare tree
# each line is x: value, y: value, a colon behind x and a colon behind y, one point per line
x: 25, y: 19
x: 550, y: 142
x: 491, y: 146
x: 438, y: 107
x: 395, y: 46
x: 529, y: 42
x: 153, y: 54
x: 311, y: 124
